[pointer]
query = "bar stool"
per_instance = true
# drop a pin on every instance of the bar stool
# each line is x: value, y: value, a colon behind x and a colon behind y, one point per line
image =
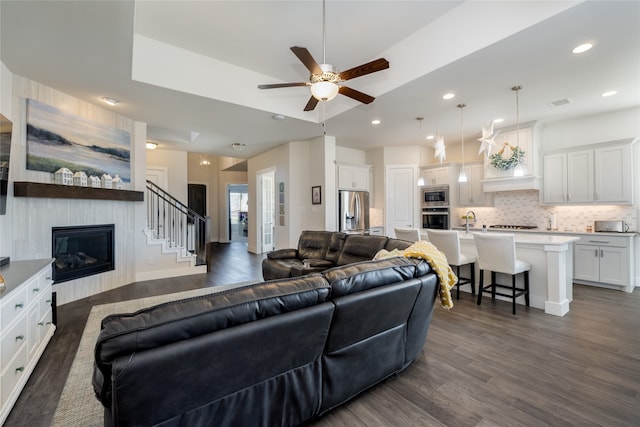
x: 408, y: 234
x: 448, y: 242
x: 497, y: 253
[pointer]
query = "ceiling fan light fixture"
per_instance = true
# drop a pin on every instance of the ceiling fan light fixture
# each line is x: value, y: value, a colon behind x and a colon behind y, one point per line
x: 324, y: 91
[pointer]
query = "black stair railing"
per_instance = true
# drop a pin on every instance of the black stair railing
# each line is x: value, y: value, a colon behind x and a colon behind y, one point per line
x: 172, y: 220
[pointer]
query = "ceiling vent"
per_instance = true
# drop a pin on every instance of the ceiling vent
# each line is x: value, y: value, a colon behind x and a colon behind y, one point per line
x: 560, y: 102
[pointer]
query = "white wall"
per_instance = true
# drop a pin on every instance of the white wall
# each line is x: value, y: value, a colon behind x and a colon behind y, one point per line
x: 176, y: 164
x: 32, y: 218
x: 6, y: 108
x: 277, y: 158
x: 592, y: 129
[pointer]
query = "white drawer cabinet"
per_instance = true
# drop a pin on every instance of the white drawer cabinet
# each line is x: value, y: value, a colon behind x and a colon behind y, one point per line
x: 25, y: 325
x: 605, y: 260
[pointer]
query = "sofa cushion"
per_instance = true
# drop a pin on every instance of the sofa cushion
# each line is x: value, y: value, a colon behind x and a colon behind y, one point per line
x: 364, y: 275
x: 358, y: 248
x: 314, y: 244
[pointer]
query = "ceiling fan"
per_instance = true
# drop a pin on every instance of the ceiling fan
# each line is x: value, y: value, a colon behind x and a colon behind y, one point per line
x: 324, y: 80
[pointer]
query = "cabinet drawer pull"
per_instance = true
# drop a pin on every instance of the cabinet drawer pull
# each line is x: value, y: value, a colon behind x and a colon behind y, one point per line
x: 20, y: 338
x: 601, y: 253
x: 599, y: 241
x: 19, y: 305
x: 48, y: 277
x: 48, y: 301
x: 19, y: 369
x: 36, y: 290
x: 40, y: 323
x: 596, y: 253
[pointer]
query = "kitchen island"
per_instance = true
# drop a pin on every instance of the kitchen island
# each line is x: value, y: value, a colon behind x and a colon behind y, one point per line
x: 551, y: 274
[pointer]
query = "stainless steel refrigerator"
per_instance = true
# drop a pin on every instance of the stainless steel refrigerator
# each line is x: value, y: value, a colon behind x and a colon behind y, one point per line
x: 353, y: 211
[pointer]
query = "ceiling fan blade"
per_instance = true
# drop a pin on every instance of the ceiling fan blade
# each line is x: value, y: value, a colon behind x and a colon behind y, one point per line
x: 364, y: 69
x: 305, y: 57
x: 311, y: 104
x: 278, y: 85
x: 354, y: 94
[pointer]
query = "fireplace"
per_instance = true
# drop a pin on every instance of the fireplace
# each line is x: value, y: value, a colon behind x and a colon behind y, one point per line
x: 81, y: 251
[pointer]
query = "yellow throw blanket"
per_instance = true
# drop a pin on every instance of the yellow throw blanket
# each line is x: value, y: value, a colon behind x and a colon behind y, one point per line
x: 438, y: 261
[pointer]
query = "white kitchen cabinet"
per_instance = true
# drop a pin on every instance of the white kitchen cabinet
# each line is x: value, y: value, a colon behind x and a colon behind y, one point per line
x: 568, y: 177
x: 353, y: 177
x: 613, y: 171
x: 600, y: 174
x: 437, y: 176
x: 604, y: 260
x: 471, y: 193
x: 25, y: 325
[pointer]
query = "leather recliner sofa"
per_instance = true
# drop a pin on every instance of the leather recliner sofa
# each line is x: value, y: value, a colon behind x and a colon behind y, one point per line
x: 320, y: 250
x: 275, y: 353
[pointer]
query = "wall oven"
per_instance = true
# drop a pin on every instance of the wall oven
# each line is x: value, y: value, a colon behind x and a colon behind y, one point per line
x: 437, y: 218
x: 435, y: 196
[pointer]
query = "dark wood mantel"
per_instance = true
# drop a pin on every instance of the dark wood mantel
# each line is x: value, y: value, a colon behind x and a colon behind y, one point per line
x: 57, y: 191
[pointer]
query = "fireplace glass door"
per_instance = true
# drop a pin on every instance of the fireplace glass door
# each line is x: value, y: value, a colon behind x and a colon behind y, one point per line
x: 82, y: 251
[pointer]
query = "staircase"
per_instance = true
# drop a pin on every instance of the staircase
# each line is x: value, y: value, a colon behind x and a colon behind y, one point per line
x: 176, y: 227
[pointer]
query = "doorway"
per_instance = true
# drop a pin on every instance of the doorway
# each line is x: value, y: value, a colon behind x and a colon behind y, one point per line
x: 266, y: 198
x: 238, y: 203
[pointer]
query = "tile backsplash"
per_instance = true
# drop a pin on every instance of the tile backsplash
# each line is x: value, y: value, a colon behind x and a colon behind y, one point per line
x: 523, y: 208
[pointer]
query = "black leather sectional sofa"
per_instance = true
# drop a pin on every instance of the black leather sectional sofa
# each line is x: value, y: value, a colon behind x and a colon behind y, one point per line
x: 275, y: 353
x: 320, y: 250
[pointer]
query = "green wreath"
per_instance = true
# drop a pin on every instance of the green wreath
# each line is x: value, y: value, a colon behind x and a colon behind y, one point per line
x: 499, y: 162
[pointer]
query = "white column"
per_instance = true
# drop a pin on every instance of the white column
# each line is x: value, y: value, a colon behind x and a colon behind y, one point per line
x: 557, y: 302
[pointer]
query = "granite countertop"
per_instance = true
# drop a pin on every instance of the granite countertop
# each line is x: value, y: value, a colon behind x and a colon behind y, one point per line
x: 17, y: 272
x: 532, y: 238
x: 555, y: 232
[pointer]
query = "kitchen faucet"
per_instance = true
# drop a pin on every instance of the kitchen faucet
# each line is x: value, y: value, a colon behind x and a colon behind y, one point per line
x: 466, y: 220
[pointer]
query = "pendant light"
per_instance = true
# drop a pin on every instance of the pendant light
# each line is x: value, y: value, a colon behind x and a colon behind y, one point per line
x: 420, y: 179
x: 463, y: 176
x: 518, y: 170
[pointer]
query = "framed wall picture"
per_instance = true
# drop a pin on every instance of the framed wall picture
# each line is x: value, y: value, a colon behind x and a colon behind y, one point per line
x: 316, y: 195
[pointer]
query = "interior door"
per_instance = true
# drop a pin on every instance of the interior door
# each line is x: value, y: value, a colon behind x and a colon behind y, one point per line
x: 401, y: 193
x: 267, y: 203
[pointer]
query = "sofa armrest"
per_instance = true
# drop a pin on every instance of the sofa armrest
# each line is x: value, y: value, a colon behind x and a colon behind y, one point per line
x: 283, y: 254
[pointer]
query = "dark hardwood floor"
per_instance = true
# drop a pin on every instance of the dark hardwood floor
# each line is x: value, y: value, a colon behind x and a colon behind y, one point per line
x: 481, y: 366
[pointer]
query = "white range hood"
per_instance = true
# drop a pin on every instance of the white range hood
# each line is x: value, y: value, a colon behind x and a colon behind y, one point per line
x: 528, y: 138
x: 528, y: 182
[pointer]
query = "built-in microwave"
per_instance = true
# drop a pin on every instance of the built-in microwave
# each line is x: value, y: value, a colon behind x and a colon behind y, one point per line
x: 435, y: 196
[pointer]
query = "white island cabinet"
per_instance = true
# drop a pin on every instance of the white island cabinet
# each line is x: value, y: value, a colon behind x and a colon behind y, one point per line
x: 551, y: 274
x: 25, y: 325
x: 605, y: 260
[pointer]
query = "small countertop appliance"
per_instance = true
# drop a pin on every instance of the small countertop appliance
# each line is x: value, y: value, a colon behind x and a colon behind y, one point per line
x: 611, y: 226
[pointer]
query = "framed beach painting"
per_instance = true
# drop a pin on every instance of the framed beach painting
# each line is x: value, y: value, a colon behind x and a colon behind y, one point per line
x: 57, y: 139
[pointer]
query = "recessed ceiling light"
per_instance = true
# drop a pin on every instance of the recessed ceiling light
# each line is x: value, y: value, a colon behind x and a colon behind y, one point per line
x: 430, y: 137
x: 499, y: 120
x: 110, y: 101
x: 151, y: 145
x: 582, y: 48
x: 609, y: 93
x: 278, y: 117
x: 375, y: 122
x: 448, y: 96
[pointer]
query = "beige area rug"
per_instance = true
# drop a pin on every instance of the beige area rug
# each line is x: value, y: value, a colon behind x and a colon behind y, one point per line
x: 78, y: 406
